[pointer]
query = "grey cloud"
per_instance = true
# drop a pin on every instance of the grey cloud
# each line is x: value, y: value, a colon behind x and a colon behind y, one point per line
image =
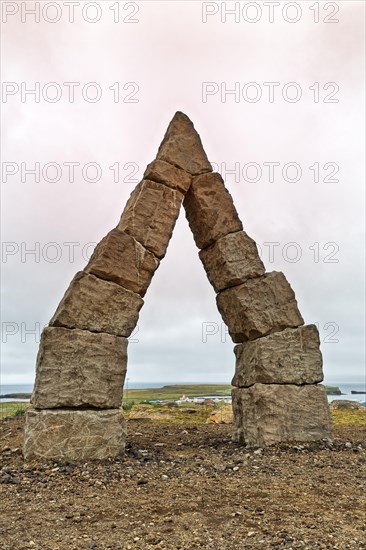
x: 170, y: 61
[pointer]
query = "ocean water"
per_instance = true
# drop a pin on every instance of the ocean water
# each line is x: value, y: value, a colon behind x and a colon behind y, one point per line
x: 346, y: 390
x: 344, y: 387
x: 15, y: 388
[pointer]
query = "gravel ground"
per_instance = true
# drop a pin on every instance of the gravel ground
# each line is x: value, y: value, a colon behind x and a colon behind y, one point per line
x: 187, y: 487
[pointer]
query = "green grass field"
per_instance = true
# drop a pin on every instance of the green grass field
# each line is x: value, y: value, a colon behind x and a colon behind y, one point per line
x: 175, y: 391
x: 13, y: 407
x: 340, y: 417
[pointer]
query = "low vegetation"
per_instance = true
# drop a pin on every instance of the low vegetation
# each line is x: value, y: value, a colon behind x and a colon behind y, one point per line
x: 12, y: 408
x: 349, y: 417
x: 181, y: 414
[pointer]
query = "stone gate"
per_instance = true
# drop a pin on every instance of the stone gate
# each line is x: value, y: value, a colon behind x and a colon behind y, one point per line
x: 82, y: 358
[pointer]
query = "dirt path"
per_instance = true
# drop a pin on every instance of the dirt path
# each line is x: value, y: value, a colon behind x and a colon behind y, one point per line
x: 188, y: 487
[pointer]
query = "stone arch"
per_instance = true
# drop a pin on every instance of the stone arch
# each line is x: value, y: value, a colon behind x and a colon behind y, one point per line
x: 82, y: 358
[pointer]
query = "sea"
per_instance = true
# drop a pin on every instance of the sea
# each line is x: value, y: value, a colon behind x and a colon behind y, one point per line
x: 344, y: 387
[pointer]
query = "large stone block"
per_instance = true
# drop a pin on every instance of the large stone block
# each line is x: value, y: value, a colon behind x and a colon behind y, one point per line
x: 265, y: 414
x: 96, y: 305
x: 121, y: 259
x: 231, y: 260
x: 77, y: 368
x: 150, y: 215
x: 169, y: 175
x: 182, y: 146
x: 74, y: 435
x: 291, y: 356
x: 210, y: 210
x: 259, y: 307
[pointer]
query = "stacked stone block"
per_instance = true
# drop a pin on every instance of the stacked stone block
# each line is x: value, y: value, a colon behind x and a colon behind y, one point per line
x: 82, y: 359
x: 278, y: 359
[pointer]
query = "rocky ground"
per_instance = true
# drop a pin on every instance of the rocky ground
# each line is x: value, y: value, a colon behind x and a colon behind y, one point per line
x: 187, y: 486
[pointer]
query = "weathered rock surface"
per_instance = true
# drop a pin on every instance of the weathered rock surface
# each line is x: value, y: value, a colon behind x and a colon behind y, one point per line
x: 223, y: 415
x: 291, y: 356
x: 169, y: 175
x: 82, y: 359
x: 231, y: 260
x: 259, y: 307
x: 121, y: 259
x: 74, y: 435
x: 150, y: 215
x: 77, y: 368
x: 96, y: 305
x: 265, y: 414
x: 210, y: 210
x: 182, y: 146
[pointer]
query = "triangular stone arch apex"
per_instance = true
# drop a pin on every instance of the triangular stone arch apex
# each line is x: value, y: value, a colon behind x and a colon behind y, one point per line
x: 82, y: 358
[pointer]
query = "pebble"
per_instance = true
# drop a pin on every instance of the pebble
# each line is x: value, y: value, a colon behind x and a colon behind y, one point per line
x: 142, y: 481
x: 220, y: 467
x: 163, y: 533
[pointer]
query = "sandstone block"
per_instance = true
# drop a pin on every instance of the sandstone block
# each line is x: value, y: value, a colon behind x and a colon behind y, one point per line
x: 291, y: 356
x: 210, y: 210
x: 169, y: 175
x: 150, y: 215
x: 231, y: 260
x: 259, y: 307
x: 121, y: 259
x: 265, y: 414
x: 74, y: 435
x: 96, y: 305
x: 78, y: 368
x: 182, y: 146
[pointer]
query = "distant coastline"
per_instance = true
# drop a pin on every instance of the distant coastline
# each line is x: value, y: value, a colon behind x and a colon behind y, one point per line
x: 331, y: 390
x: 16, y: 396
x: 22, y: 392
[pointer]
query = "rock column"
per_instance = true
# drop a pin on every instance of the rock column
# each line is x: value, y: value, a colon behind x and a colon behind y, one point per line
x: 277, y: 396
x: 82, y: 359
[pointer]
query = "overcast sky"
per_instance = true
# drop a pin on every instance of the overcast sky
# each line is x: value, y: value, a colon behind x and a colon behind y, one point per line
x: 292, y: 128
